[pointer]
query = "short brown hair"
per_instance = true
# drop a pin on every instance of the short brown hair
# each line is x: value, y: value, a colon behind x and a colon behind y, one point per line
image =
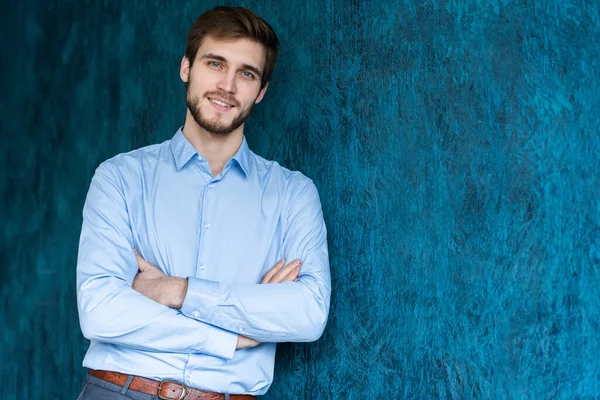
x: 234, y: 22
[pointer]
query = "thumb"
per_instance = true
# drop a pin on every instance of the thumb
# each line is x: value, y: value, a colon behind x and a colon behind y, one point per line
x: 143, y: 265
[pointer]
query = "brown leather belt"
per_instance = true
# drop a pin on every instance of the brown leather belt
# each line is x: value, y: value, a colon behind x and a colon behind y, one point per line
x: 169, y: 390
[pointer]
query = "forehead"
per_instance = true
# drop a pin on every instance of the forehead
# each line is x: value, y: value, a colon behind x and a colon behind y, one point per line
x: 235, y: 51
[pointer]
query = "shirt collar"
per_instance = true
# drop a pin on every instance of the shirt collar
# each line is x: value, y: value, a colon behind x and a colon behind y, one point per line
x: 183, y: 151
x: 243, y: 157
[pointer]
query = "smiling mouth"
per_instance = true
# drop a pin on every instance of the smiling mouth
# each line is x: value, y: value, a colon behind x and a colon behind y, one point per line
x: 220, y: 103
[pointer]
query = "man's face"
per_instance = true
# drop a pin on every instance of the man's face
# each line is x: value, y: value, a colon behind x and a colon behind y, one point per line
x: 224, y: 83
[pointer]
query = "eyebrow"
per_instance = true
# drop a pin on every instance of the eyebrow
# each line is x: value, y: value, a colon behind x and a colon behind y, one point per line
x: 223, y: 59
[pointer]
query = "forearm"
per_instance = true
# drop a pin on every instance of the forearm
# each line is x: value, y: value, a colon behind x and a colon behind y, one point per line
x: 112, y: 312
x: 285, y: 312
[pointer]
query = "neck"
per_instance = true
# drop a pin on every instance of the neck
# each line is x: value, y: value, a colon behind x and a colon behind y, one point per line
x: 217, y: 149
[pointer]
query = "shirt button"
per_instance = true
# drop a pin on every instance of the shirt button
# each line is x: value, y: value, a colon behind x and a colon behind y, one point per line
x: 206, y: 226
x: 202, y: 267
x: 196, y: 314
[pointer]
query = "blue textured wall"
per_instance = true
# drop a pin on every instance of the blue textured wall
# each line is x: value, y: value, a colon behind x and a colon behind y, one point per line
x: 455, y: 146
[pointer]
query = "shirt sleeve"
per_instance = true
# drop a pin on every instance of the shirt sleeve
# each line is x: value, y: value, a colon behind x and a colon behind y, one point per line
x: 284, y: 312
x: 110, y: 311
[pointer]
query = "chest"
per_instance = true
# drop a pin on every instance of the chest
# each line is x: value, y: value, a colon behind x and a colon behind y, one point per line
x: 227, y: 230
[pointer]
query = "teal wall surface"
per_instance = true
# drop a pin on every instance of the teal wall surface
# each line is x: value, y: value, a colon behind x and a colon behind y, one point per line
x: 455, y: 146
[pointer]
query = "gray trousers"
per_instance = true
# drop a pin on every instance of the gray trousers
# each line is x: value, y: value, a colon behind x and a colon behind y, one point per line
x: 96, y: 389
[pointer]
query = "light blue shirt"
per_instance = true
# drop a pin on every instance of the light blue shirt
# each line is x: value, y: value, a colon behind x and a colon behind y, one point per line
x: 223, y: 233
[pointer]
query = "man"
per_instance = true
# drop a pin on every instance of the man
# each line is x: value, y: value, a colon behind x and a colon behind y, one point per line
x: 179, y: 286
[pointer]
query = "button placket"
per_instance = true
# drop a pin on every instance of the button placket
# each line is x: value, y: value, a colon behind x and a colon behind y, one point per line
x: 200, y: 265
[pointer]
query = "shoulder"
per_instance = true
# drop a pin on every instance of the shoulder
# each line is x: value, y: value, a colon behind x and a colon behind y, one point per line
x: 135, y: 157
x: 132, y: 164
x: 292, y: 181
x: 297, y: 190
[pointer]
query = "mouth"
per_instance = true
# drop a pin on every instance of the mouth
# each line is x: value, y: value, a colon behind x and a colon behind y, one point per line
x: 220, y: 105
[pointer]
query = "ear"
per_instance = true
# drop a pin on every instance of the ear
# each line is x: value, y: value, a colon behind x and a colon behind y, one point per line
x: 261, y: 94
x: 184, y: 69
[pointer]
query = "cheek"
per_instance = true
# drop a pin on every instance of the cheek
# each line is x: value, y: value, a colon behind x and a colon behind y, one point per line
x: 197, y: 90
x: 200, y: 83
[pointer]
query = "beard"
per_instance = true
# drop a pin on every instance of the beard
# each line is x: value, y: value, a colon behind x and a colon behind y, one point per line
x: 215, y: 126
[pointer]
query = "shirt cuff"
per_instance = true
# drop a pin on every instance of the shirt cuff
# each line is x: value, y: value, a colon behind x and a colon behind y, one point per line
x: 220, y: 343
x: 201, y: 303
x: 202, y: 299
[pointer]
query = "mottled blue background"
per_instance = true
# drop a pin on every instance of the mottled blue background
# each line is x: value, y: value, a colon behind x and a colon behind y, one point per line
x: 455, y: 146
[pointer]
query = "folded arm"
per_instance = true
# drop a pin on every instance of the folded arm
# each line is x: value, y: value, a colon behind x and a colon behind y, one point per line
x: 110, y: 311
x: 287, y: 312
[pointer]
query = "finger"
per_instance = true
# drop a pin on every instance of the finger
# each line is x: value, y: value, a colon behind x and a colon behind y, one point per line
x: 285, y: 271
x: 244, y: 342
x: 292, y: 276
x: 143, y: 265
x: 269, y: 275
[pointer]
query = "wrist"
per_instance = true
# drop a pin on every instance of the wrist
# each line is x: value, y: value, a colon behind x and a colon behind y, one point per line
x: 177, y: 291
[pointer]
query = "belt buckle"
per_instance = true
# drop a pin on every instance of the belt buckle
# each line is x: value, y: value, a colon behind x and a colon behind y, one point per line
x: 183, y: 390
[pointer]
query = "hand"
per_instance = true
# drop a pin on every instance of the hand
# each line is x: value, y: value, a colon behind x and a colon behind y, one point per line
x: 244, y: 342
x: 279, y: 273
x: 154, y: 284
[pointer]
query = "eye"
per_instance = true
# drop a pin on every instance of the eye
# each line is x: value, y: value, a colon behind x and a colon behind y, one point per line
x: 248, y: 75
x: 214, y: 64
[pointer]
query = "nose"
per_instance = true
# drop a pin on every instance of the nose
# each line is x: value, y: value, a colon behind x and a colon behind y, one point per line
x: 227, y: 82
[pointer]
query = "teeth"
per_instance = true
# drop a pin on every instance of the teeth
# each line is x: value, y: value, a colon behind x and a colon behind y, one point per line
x: 220, y: 103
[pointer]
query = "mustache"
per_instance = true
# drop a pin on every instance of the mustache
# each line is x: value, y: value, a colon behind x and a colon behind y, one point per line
x: 224, y: 95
